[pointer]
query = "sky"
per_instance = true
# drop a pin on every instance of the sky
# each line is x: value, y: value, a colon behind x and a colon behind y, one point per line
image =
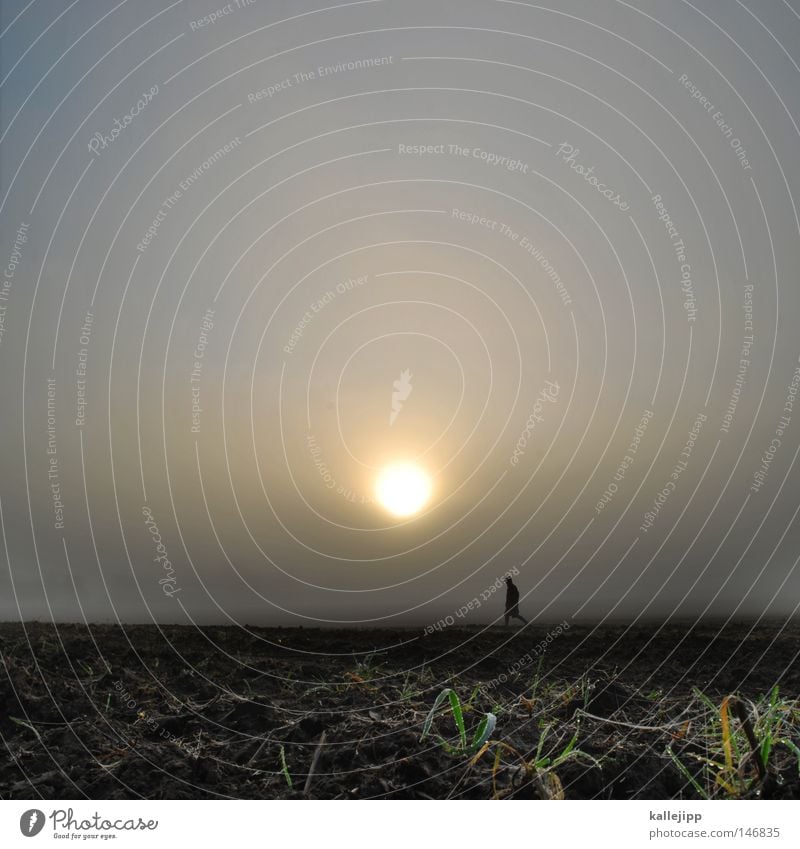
x: 255, y: 253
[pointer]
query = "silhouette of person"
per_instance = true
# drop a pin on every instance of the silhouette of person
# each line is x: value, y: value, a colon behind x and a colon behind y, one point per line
x: 512, y: 602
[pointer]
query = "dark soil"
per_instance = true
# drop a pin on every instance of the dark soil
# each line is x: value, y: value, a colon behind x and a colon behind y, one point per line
x: 107, y: 712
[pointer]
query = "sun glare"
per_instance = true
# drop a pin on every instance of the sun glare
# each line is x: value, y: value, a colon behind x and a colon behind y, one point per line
x: 403, y: 489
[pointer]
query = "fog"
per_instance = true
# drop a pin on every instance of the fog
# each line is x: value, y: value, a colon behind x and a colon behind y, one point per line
x: 228, y: 232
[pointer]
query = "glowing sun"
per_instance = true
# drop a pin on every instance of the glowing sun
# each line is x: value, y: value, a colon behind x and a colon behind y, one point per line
x: 403, y: 489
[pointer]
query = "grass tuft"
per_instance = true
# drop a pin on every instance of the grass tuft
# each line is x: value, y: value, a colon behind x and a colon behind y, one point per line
x: 482, y: 733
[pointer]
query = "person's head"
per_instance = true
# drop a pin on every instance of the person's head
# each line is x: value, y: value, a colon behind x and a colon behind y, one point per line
x: 508, y: 579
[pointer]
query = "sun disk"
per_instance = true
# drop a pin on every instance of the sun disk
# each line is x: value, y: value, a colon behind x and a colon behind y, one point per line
x: 403, y: 489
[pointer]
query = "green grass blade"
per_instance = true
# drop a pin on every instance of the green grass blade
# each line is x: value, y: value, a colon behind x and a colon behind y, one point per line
x: 285, y: 769
x: 567, y: 749
x: 707, y: 702
x: 484, y: 731
x: 455, y: 705
x: 685, y: 772
x: 535, y: 687
x: 540, y: 745
x: 766, y: 750
x: 426, y: 728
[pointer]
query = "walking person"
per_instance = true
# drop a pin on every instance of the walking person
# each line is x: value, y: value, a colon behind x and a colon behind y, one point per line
x: 512, y: 602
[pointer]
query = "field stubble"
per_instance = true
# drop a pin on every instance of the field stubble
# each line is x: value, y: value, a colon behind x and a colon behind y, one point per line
x: 615, y: 712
